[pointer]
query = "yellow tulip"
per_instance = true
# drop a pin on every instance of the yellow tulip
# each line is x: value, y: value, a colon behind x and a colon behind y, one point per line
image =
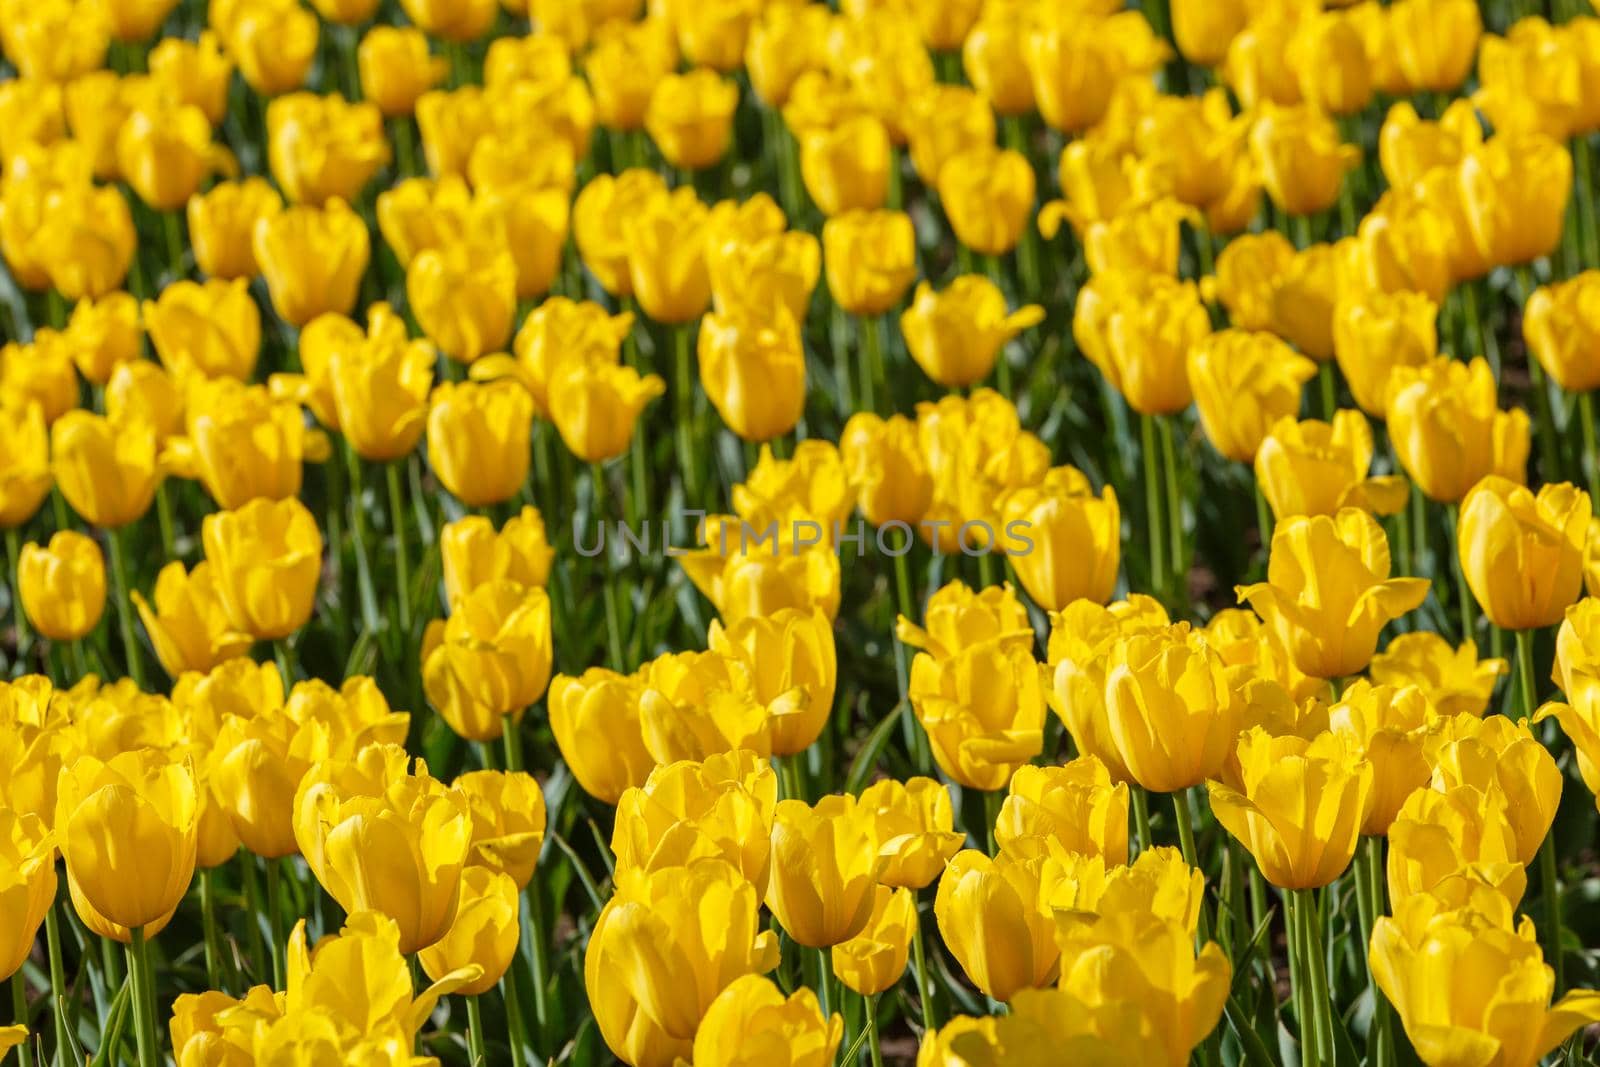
x: 25, y: 480
x: 595, y: 720
x: 1141, y: 336
x: 106, y: 468
x: 196, y: 72
x: 165, y: 152
x: 991, y: 58
x: 63, y: 585
x: 595, y: 407
x: 257, y: 764
x: 1301, y: 158
x: 1328, y: 592
x: 555, y: 334
x: 912, y: 823
x: 458, y: 22
x: 241, y: 443
x: 1514, y: 192
x: 142, y: 389
x: 1561, y: 325
x: 1501, y: 759
x: 945, y: 121
x: 1064, y: 542
x: 1443, y: 836
x: 380, y: 837
x: 988, y: 195
x: 40, y: 372
x: 495, y: 654
x: 321, y: 147
x: 1454, y: 680
x: 267, y: 558
x: 786, y: 41
x: 313, y: 259
x: 478, y: 439
x: 56, y: 42
x: 694, y: 705
x: 464, y: 298
x: 484, y: 932
x: 1204, y: 29
x: 784, y: 652
x: 222, y: 224
x: 1257, y: 66
x: 1247, y: 275
x: 688, y: 810
x: 1330, y: 57
x: 1317, y: 468
x: 1531, y: 80
x: 690, y: 117
x: 846, y: 167
x: 956, y: 334
x: 378, y: 381
x: 1244, y: 383
x: 995, y: 919
x: 508, y: 822
x: 983, y: 710
x: 662, y: 949
x: 126, y: 828
x: 957, y: 616
x: 1448, y: 430
x: 396, y: 69
x: 104, y: 333
x: 27, y: 858
x: 1373, y: 333
x: 274, y: 42
x: 870, y: 257
x: 474, y: 554
x: 886, y: 468
x: 753, y: 370
x: 1435, y: 42
x: 1523, y: 554
x: 212, y: 328
x: 625, y: 65
x: 1075, y: 806
x: 666, y: 256
x: 86, y: 241
x: 1426, y: 945
x: 1074, y: 61
x: 825, y: 865
x: 346, y: 12
x: 602, y: 223
x: 873, y: 961
x: 1386, y: 725
x: 535, y: 222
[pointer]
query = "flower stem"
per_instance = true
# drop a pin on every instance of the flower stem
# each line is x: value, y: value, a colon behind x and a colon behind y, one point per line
x: 1191, y: 853
x: 58, y: 980
x: 683, y: 388
x: 173, y: 225
x: 1152, y: 504
x: 824, y: 974
x: 144, y: 1015
x: 275, y: 922
x: 13, y: 553
x: 358, y: 533
x: 1326, y: 382
x: 1174, y: 510
x: 1465, y: 605
x: 19, y: 1008
x: 511, y: 737
x: 1548, y: 875
x: 992, y: 801
x: 871, y: 361
x: 119, y: 569
x: 1141, y: 817
x: 475, y: 1033
x: 541, y: 960
x: 208, y: 921
x: 924, y: 980
x: 516, y: 1030
x: 401, y: 556
x: 871, y: 1005
x: 1591, y: 458
x: 1370, y: 859
x: 609, y: 587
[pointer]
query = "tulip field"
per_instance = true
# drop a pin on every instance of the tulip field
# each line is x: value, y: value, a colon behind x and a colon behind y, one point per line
x: 764, y: 532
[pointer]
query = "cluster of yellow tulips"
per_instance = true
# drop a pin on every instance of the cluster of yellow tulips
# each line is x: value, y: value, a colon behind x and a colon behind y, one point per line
x: 901, y: 687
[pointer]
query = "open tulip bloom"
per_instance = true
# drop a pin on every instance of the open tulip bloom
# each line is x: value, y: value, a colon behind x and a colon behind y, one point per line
x: 733, y: 534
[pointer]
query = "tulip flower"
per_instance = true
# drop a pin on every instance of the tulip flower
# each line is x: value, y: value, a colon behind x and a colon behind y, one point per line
x: 886, y: 468
x: 164, y: 152
x: 126, y: 828
x: 666, y: 256
x: 1245, y: 382
x: 785, y: 42
x: 421, y: 214
x: 1138, y: 330
x: 722, y: 806
x: 1144, y: 238
x: 40, y: 372
x: 1247, y: 275
x: 464, y: 298
x: 873, y: 961
x: 241, y: 443
x: 212, y: 329
x: 912, y: 823
x: 104, y: 334
x: 846, y: 167
x: 1075, y: 806
x: 478, y: 439
x: 222, y: 223
x: 1068, y: 543
x: 1317, y: 468
x: 945, y: 121
x: 63, y: 585
x: 1561, y: 325
x: 1455, y: 680
x: 753, y: 370
x: 321, y: 147
x: 1204, y: 30
x: 625, y: 66
x: 1501, y: 759
x: 1386, y: 725
x: 988, y: 195
x: 704, y: 920
x: 1448, y: 430
x: 508, y: 822
x: 143, y: 390
x: 27, y: 858
x: 956, y: 334
x: 690, y: 118
x: 395, y: 68
x: 596, y: 406
x: 983, y: 710
x: 313, y: 259
x: 1328, y: 592
x: 595, y: 720
x: 1426, y: 943
x: 459, y: 23
x: 196, y: 72
x: 1301, y: 158
x: 494, y: 655
x: 257, y: 764
x: 747, y: 580
x: 870, y: 259
x: 825, y: 863
x: 1522, y: 554
x: 1530, y: 81
x: 379, y: 837
x: 1075, y: 62
x: 267, y: 558
x: 86, y: 241
x: 1514, y: 192
x: 601, y: 223
x: 995, y: 919
x: 1373, y: 333
x: 106, y: 468
x: 1330, y: 58
x: 25, y: 480
x: 1302, y: 807
x: 475, y: 554
x: 1435, y: 41
x: 698, y: 704
x: 787, y: 651
x: 1440, y: 836
x: 484, y: 932
x: 273, y: 42
x: 991, y: 58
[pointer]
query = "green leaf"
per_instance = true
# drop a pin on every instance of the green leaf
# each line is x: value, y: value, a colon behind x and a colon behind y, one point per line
x: 862, y: 766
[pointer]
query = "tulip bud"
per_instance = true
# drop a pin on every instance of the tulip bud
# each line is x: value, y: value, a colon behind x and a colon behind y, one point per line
x: 1064, y: 542
x: 595, y: 407
x: 313, y: 259
x: 197, y: 73
x: 106, y: 468
x: 625, y: 66
x: 1561, y: 325
x: 992, y: 58
x: 786, y: 41
x: 886, y: 468
x: 595, y: 720
x: 1435, y: 41
x: 267, y: 559
x: 25, y: 479
x: 946, y: 121
x: 274, y: 44
x: 1330, y: 58
x: 1244, y: 382
x: 396, y: 69
x: 690, y: 117
x: 63, y: 586
x: 956, y: 335
x: 494, y: 655
x: 86, y: 240
x: 212, y: 328
x: 753, y: 370
x: 995, y: 918
x: 846, y: 167
x: 1448, y: 431
x: 1139, y: 329
x: 457, y: 22
x: 1522, y: 554
x: 870, y: 258
x: 666, y: 256
x: 1205, y: 28
x: 478, y: 439
x: 484, y: 932
x: 187, y: 624
x: 164, y: 153
x: 602, y: 220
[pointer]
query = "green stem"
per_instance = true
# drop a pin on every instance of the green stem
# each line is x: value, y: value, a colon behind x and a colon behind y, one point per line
x: 871, y: 362
x: 1371, y: 859
x: 516, y: 1030
x: 208, y: 921
x: 824, y: 982
x: 1329, y: 390
x: 401, y: 556
x: 1591, y: 458
x: 1191, y: 853
x: 1311, y: 929
x: 511, y: 738
x: 144, y: 1016
x: 1141, y: 817
x: 1263, y: 521
x: 119, y: 567
x: 19, y: 1015
x: 1525, y: 680
x: 609, y: 587
x: 683, y: 401
x: 275, y: 922
x: 20, y: 617
x: 1174, y: 510
x: 252, y: 899
x: 175, y: 243
x: 285, y: 660
x: 358, y: 534
x: 541, y: 959
x: 475, y: 1033
x: 1152, y: 503
x: 58, y: 981
x: 871, y: 1005
x: 992, y: 801
x: 169, y: 535
x: 1548, y: 875
x: 1466, y: 606
x: 919, y: 954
